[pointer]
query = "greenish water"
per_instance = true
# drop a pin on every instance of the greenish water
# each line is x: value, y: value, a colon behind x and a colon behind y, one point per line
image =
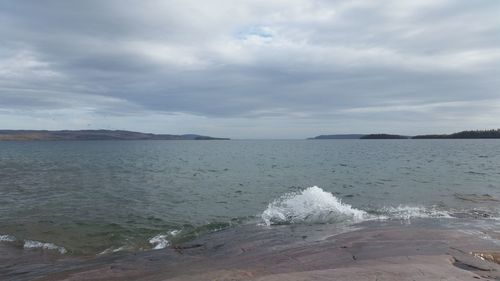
x: 96, y: 197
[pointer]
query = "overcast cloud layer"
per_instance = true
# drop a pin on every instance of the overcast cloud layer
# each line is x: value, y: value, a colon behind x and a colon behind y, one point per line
x: 251, y: 69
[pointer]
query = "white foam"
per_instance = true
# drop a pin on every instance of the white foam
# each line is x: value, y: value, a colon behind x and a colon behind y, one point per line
x: 312, y: 205
x: 113, y: 250
x: 32, y: 244
x: 403, y: 212
x: 7, y: 238
x: 174, y: 232
x: 161, y: 241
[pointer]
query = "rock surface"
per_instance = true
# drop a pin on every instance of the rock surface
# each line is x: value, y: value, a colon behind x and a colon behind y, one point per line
x: 370, y: 251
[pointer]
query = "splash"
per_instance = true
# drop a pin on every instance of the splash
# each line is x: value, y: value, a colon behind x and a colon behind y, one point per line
x: 312, y: 205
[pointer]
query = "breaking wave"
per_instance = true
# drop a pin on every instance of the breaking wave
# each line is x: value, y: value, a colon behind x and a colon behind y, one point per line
x: 410, y: 212
x: 32, y: 244
x: 7, y: 238
x: 161, y: 241
x: 113, y: 250
x: 312, y: 205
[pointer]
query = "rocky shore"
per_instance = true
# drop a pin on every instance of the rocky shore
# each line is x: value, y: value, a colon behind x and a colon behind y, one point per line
x: 423, y: 250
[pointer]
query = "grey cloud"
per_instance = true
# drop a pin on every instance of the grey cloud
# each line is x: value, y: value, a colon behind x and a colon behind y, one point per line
x: 234, y: 63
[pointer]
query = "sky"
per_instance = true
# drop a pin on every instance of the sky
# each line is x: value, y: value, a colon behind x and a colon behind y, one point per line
x: 251, y: 69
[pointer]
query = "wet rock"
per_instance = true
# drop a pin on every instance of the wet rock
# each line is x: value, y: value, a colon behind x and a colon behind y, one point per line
x: 490, y: 256
x: 476, y: 198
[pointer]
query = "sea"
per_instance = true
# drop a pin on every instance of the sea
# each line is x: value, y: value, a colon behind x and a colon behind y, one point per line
x: 94, y: 198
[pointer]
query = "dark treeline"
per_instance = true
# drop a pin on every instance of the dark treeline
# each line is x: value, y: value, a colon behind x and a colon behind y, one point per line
x: 472, y: 134
x: 477, y: 134
x: 383, y: 136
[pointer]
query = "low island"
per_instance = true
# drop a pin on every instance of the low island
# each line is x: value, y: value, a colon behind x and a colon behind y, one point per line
x: 384, y: 136
x: 338, y: 137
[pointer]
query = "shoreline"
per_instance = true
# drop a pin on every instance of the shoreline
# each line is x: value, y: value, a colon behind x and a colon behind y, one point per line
x: 426, y: 249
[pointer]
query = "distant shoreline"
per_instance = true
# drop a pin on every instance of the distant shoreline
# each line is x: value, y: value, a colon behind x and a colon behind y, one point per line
x: 85, y: 135
x: 477, y: 134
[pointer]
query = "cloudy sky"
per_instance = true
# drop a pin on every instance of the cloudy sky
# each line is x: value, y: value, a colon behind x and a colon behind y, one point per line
x: 250, y: 69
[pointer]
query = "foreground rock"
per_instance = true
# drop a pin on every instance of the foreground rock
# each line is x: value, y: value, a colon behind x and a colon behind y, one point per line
x: 371, y: 251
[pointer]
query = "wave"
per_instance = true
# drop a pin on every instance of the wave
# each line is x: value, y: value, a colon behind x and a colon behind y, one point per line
x: 161, y: 241
x: 312, y: 205
x: 158, y: 242
x: 7, y: 238
x: 403, y: 212
x: 32, y: 244
x: 113, y: 250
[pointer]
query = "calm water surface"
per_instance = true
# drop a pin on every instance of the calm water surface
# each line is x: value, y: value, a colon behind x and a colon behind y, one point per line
x: 96, y: 197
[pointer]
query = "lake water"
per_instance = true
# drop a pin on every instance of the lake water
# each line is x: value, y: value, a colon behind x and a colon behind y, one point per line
x: 99, y: 197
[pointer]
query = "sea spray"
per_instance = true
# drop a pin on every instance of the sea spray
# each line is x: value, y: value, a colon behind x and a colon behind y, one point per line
x: 312, y: 205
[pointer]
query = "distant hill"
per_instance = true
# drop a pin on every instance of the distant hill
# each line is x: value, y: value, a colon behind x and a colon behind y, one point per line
x: 477, y: 134
x: 43, y: 135
x: 384, y: 137
x: 337, y: 137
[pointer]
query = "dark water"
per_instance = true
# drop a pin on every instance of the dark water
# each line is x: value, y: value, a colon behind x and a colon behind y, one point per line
x: 103, y: 196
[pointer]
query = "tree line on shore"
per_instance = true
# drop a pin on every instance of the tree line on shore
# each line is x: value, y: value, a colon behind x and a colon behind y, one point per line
x: 475, y: 134
x: 472, y: 134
